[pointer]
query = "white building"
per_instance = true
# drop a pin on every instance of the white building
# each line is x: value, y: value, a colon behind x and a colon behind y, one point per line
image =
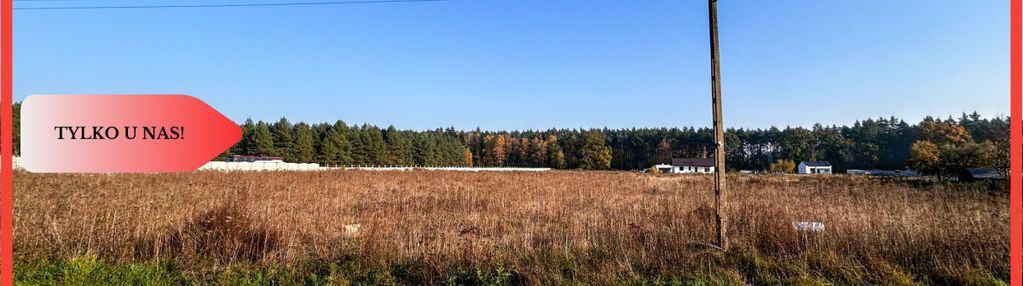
x: 688, y: 165
x: 814, y: 167
x: 665, y: 168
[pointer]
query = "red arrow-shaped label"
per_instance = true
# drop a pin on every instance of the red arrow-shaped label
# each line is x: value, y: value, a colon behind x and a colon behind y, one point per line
x: 121, y: 133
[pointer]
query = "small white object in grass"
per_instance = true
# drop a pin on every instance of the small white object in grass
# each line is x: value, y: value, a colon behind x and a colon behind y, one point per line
x: 810, y: 226
x: 352, y: 229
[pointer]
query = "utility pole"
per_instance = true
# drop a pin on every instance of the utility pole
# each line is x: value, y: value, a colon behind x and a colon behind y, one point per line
x: 719, y: 132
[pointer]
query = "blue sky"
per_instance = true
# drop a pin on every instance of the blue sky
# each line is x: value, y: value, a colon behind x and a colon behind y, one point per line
x: 521, y: 64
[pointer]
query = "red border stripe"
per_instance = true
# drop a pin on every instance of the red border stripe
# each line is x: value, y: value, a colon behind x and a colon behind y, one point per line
x: 6, y: 180
x: 1016, y: 204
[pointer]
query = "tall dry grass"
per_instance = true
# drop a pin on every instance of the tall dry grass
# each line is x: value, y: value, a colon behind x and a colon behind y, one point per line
x: 553, y: 227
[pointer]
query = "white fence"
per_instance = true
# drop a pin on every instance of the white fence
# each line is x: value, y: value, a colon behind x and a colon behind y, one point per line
x: 261, y: 166
x: 236, y: 166
x: 283, y: 166
x: 459, y: 169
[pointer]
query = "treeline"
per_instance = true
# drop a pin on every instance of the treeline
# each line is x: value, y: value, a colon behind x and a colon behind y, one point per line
x: 969, y: 141
x: 884, y: 143
x: 340, y: 144
x: 937, y: 146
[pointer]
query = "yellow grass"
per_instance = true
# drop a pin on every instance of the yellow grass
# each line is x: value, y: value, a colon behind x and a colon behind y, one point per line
x: 552, y: 227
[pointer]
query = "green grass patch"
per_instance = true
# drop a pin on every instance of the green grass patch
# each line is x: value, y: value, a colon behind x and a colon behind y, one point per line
x: 736, y: 269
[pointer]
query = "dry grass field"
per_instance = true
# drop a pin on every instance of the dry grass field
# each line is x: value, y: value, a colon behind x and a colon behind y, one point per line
x: 561, y: 227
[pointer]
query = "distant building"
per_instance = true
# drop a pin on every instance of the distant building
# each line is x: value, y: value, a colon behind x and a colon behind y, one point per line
x: 981, y: 174
x: 883, y: 173
x: 692, y: 165
x: 814, y: 167
x: 665, y: 168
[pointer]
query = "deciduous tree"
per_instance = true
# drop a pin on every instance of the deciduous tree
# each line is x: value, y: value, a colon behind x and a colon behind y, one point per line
x: 926, y: 157
x: 595, y: 153
x: 783, y: 166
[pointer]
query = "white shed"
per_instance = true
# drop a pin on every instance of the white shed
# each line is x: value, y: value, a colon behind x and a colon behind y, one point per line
x: 814, y: 167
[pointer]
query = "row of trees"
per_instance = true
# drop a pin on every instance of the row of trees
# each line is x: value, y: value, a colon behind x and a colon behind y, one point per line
x: 934, y: 146
x: 339, y: 144
x: 947, y: 149
x: 881, y: 143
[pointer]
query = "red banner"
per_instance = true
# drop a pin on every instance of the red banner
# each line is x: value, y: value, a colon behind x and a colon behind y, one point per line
x: 121, y: 133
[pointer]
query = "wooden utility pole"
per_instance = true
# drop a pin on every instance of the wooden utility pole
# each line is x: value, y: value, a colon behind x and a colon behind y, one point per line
x: 719, y: 132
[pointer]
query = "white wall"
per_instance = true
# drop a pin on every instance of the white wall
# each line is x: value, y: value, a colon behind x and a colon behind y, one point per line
x: 261, y: 166
x: 282, y: 166
x: 694, y: 169
x: 16, y: 163
x: 460, y: 169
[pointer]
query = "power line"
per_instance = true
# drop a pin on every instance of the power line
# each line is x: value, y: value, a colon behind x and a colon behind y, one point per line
x: 218, y: 5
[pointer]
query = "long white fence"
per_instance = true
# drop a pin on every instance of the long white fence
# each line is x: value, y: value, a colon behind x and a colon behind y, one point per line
x: 261, y: 166
x: 284, y: 166
x: 459, y: 169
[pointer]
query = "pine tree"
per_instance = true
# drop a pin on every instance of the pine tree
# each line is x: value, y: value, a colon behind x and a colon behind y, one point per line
x: 453, y: 150
x: 424, y: 150
x: 372, y: 145
x: 399, y: 147
x: 337, y: 148
x: 571, y: 147
x: 262, y: 140
x: 663, y: 152
x: 359, y: 153
x: 248, y: 145
x: 303, y: 145
x: 474, y: 140
x: 329, y: 148
x: 283, y: 140
x: 319, y: 134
